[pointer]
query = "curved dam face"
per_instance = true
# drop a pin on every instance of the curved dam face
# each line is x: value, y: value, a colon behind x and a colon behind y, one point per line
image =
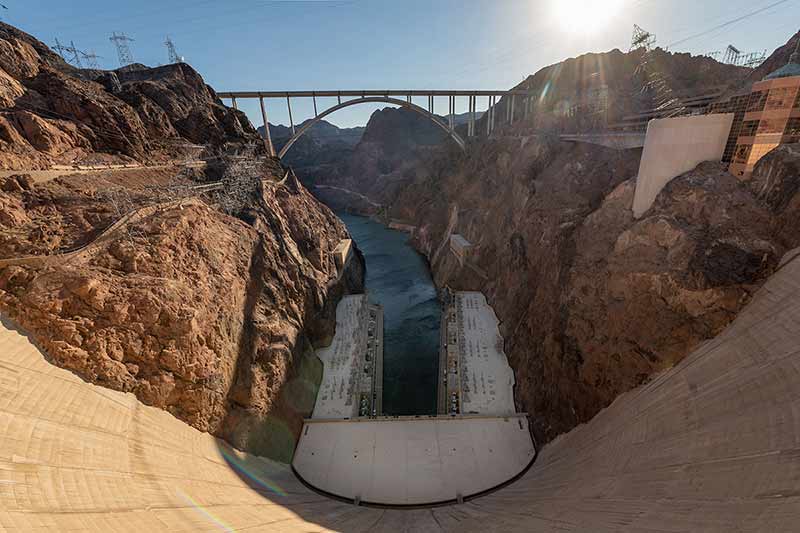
x: 710, y: 445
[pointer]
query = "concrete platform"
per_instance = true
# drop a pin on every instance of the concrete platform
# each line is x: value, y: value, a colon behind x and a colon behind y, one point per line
x: 485, y: 378
x: 412, y: 461
x: 352, y: 377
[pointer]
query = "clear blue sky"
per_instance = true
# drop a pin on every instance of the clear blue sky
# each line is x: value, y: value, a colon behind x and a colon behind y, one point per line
x: 343, y: 44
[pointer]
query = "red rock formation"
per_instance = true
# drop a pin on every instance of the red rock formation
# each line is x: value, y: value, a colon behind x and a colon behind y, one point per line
x: 54, y: 113
x: 196, y: 312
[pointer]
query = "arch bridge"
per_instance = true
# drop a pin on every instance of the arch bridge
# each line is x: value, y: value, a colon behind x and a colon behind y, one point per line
x: 402, y: 98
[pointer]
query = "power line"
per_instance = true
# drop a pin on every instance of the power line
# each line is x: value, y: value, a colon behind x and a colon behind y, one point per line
x: 728, y: 23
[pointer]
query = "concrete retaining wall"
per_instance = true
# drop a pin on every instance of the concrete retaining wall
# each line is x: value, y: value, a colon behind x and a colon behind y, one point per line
x: 674, y: 146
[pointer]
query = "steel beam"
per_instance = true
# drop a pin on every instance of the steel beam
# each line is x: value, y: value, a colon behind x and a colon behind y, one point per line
x: 267, y: 135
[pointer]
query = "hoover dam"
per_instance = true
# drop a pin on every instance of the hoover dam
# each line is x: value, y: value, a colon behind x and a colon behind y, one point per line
x: 570, y: 303
x: 711, y: 444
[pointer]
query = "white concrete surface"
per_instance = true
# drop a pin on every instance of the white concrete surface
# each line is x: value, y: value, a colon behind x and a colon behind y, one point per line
x: 412, y: 460
x: 337, y: 395
x: 342, y: 253
x: 674, y: 146
x: 487, y: 380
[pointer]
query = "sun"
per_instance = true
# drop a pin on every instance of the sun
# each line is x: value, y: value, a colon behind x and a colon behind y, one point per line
x: 585, y: 16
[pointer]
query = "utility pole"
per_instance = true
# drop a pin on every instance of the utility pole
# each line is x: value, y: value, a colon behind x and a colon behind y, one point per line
x: 171, y: 52
x: 123, y: 50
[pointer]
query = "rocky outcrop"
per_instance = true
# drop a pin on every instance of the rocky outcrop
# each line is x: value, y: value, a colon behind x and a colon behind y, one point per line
x: 365, y: 177
x: 192, y: 310
x: 592, y: 301
x: 54, y: 113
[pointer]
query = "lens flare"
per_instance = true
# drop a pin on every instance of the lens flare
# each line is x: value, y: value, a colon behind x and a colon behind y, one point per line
x: 242, y: 469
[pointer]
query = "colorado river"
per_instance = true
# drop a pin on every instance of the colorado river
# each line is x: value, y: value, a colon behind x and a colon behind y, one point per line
x: 398, y: 278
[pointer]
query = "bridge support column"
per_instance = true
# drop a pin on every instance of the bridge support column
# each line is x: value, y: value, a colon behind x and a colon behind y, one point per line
x: 452, y: 111
x: 267, y: 136
x: 289, y: 105
x: 233, y: 103
x: 511, y: 113
x: 526, y: 103
x: 314, y: 97
x: 473, y: 105
x: 494, y: 112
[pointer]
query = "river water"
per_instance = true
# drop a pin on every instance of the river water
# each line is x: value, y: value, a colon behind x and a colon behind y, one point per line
x: 398, y: 278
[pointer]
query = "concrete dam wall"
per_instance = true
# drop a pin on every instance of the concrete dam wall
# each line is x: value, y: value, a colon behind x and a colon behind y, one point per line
x: 709, y: 445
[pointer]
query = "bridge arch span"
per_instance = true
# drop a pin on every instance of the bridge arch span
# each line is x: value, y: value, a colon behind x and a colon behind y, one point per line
x: 373, y: 99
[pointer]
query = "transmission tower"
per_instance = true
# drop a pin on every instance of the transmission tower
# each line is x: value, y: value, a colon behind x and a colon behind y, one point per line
x: 655, y: 83
x: 123, y: 50
x: 70, y: 54
x: 731, y: 56
x: 75, y: 54
x: 642, y: 39
x: 58, y: 47
x: 91, y: 59
x: 171, y: 52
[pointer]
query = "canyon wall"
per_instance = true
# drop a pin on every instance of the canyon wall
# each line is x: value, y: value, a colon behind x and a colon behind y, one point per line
x: 592, y: 301
x: 205, y: 304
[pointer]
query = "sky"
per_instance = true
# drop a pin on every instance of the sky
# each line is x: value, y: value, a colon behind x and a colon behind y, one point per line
x: 372, y: 44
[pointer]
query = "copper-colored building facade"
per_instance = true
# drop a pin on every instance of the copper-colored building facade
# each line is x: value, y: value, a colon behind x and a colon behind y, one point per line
x: 771, y: 118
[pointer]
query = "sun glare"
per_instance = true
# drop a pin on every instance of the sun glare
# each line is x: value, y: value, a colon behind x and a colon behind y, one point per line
x: 585, y: 16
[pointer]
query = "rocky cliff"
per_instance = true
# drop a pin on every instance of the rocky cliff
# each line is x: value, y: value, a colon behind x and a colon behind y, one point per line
x: 592, y: 301
x: 52, y: 113
x: 204, y: 302
x: 368, y: 175
x: 197, y: 312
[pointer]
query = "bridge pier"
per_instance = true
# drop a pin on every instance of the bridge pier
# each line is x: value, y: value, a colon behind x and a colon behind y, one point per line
x: 289, y: 105
x: 267, y: 135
